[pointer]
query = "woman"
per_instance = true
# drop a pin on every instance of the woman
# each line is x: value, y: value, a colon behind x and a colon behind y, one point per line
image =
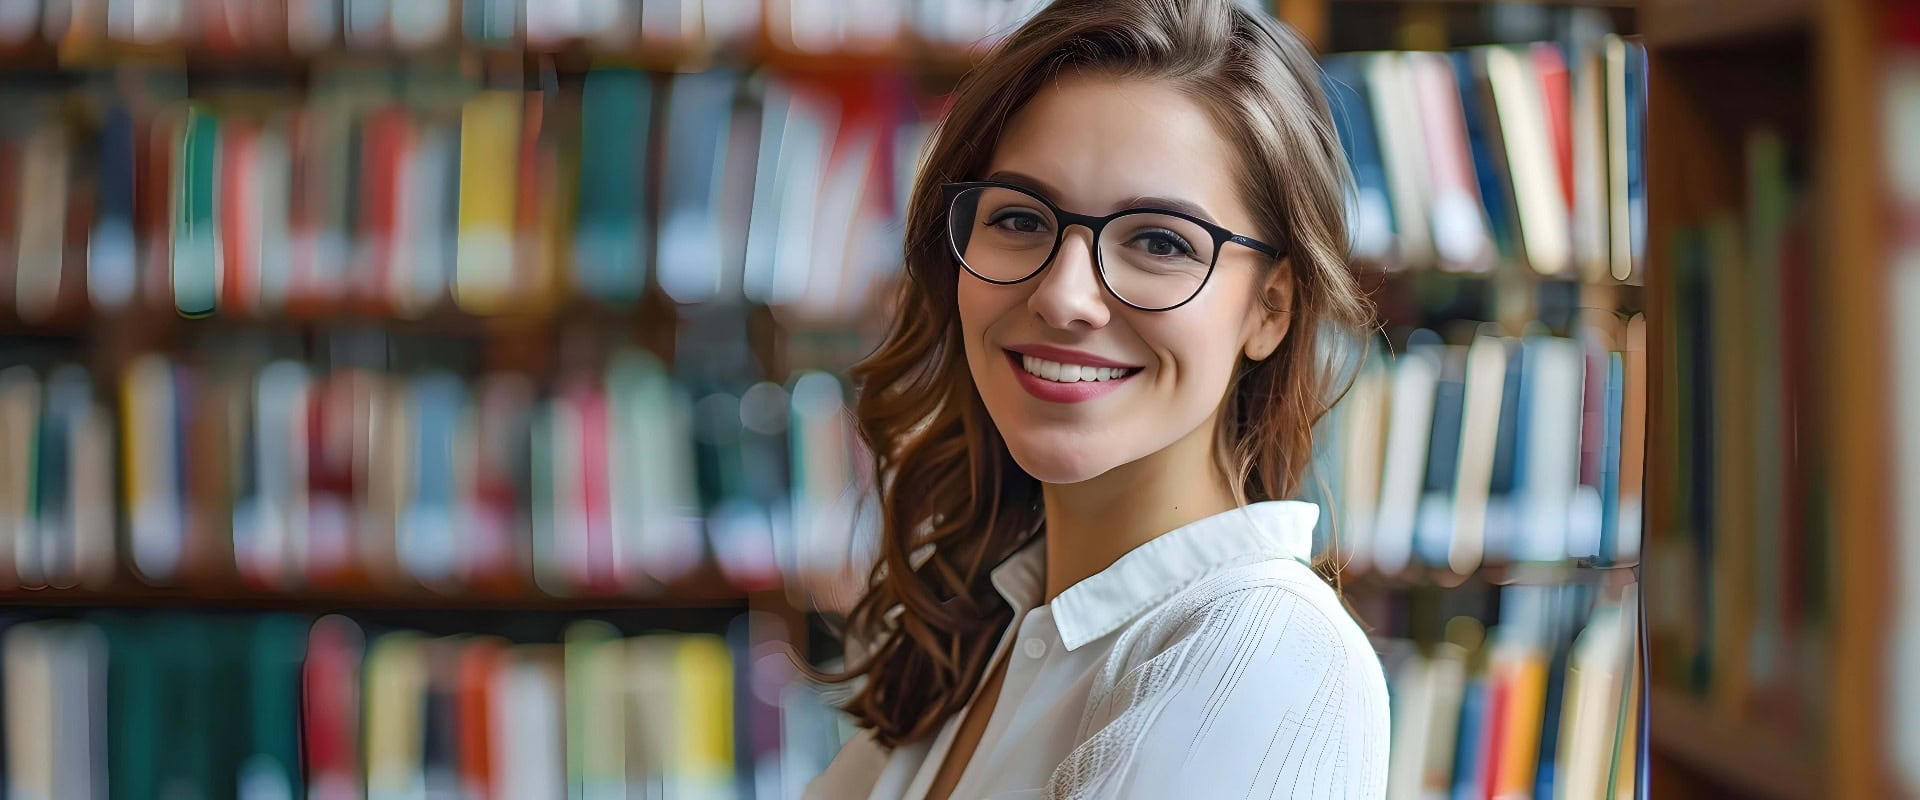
x: 1127, y: 256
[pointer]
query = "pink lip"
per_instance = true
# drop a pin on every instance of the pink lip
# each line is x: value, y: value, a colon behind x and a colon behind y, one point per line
x: 1055, y: 392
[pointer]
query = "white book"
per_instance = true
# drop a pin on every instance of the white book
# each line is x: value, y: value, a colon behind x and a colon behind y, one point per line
x: 1403, y: 154
x: 1362, y: 459
x: 1619, y: 220
x: 31, y: 707
x: 1411, y: 700
x: 1409, y: 431
x: 1479, y: 434
x: 1447, y: 681
x: 269, y: 531
x: 1555, y: 375
x: 812, y: 126
x: 77, y: 655
x: 530, y: 754
x: 1591, y: 707
x: 1542, y: 205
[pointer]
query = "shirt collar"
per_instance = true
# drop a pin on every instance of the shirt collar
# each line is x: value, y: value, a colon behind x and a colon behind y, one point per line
x: 1159, y: 569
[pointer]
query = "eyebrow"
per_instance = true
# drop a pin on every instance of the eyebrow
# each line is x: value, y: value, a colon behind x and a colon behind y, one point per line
x: 1140, y: 201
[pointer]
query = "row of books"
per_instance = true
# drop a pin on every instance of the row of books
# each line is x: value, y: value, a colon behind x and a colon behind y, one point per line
x: 170, y: 705
x: 1900, y: 95
x: 1745, y: 599
x: 85, y: 27
x: 285, y: 476
x: 1497, y: 156
x: 1452, y: 455
x: 1546, y: 703
x: 397, y: 192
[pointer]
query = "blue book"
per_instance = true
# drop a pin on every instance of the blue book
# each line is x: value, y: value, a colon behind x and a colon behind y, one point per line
x: 1496, y: 197
x: 427, y: 549
x: 1610, y: 461
x: 611, y: 233
x: 1372, y: 213
x: 699, y: 121
x: 1469, y: 757
x: 111, y: 256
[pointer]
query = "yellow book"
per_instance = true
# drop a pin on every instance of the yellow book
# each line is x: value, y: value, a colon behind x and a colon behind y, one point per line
x: 596, y: 731
x: 704, y: 674
x: 1526, y: 677
x: 489, y: 162
x: 396, y: 684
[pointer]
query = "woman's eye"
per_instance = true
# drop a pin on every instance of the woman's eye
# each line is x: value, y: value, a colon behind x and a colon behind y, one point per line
x: 1018, y: 222
x: 1163, y: 243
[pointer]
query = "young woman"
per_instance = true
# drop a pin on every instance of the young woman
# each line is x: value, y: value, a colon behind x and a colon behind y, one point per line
x: 1127, y: 263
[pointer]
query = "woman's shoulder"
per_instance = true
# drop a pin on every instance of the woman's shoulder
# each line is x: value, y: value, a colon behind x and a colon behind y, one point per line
x: 1280, y: 603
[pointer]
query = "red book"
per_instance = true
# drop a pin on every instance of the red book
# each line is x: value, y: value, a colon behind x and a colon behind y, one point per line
x: 239, y: 216
x: 1499, y: 687
x: 590, y: 402
x: 153, y: 207
x: 385, y: 140
x: 330, y: 700
x: 1555, y: 102
x: 474, y: 712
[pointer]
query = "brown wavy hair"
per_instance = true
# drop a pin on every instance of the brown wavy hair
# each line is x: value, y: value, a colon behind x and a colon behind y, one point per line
x: 952, y: 502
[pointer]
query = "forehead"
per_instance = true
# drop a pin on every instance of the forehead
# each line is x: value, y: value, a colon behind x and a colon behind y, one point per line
x: 1097, y: 143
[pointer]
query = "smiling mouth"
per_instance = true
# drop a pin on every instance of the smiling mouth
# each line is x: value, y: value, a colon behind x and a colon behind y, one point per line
x: 1058, y: 372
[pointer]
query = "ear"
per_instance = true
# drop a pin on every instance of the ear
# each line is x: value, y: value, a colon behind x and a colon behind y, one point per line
x: 1272, y: 313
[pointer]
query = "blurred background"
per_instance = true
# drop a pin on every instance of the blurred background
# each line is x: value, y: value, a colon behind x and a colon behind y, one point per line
x: 446, y: 398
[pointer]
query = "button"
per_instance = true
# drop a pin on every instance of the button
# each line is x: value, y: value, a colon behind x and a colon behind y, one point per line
x: 1034, y: 648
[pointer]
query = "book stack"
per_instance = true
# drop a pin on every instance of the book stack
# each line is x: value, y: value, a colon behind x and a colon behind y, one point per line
x: 84, y: 31
x: 1545, y: 703
x: 399, y: 192
x: 282, y: 475
x: 1488, y: 451
x: 286, y: 706
x: 1743, y: 593
x: 1526, y: 157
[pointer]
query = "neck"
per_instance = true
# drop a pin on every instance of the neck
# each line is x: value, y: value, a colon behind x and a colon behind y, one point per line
x: 1092, y: 524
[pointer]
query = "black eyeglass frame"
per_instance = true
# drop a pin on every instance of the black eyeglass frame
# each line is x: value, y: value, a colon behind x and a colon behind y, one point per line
x: 950, y: 193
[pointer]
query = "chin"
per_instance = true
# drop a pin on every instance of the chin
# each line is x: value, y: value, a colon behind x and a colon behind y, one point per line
x: 1060, y: 459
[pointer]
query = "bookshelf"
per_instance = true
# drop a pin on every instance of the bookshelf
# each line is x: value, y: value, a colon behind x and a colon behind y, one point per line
x: 564, y: 323
x: 1735, y: 86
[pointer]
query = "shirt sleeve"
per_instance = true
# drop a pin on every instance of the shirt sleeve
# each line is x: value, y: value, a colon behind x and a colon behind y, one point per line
x: 1269, y: 691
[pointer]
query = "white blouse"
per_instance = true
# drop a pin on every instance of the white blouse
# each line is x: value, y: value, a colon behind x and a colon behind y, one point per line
x: 1210, y: 662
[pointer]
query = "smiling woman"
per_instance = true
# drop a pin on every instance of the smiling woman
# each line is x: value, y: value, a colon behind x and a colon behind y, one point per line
x: 1127, y: 250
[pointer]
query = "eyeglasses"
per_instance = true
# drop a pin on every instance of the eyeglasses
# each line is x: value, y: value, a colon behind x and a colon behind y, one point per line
x: 1149, y: 258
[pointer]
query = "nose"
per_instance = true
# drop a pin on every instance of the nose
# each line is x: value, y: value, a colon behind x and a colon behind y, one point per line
x: 1068, y: 295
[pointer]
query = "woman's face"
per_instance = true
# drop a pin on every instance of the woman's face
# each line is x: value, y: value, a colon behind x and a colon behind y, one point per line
x: 1094, y: 145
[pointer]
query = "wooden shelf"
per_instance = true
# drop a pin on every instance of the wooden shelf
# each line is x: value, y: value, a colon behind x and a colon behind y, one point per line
x: 1735, y: 754
x: 1581, y: 572
x: 241, y: 598
x: 1713, y: 23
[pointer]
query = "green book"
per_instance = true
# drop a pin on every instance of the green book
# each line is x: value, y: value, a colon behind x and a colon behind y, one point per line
x: 196, y: 241
x: 276, y: 647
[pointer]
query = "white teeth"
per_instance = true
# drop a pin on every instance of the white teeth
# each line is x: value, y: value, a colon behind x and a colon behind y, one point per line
x: 1069, y: 373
